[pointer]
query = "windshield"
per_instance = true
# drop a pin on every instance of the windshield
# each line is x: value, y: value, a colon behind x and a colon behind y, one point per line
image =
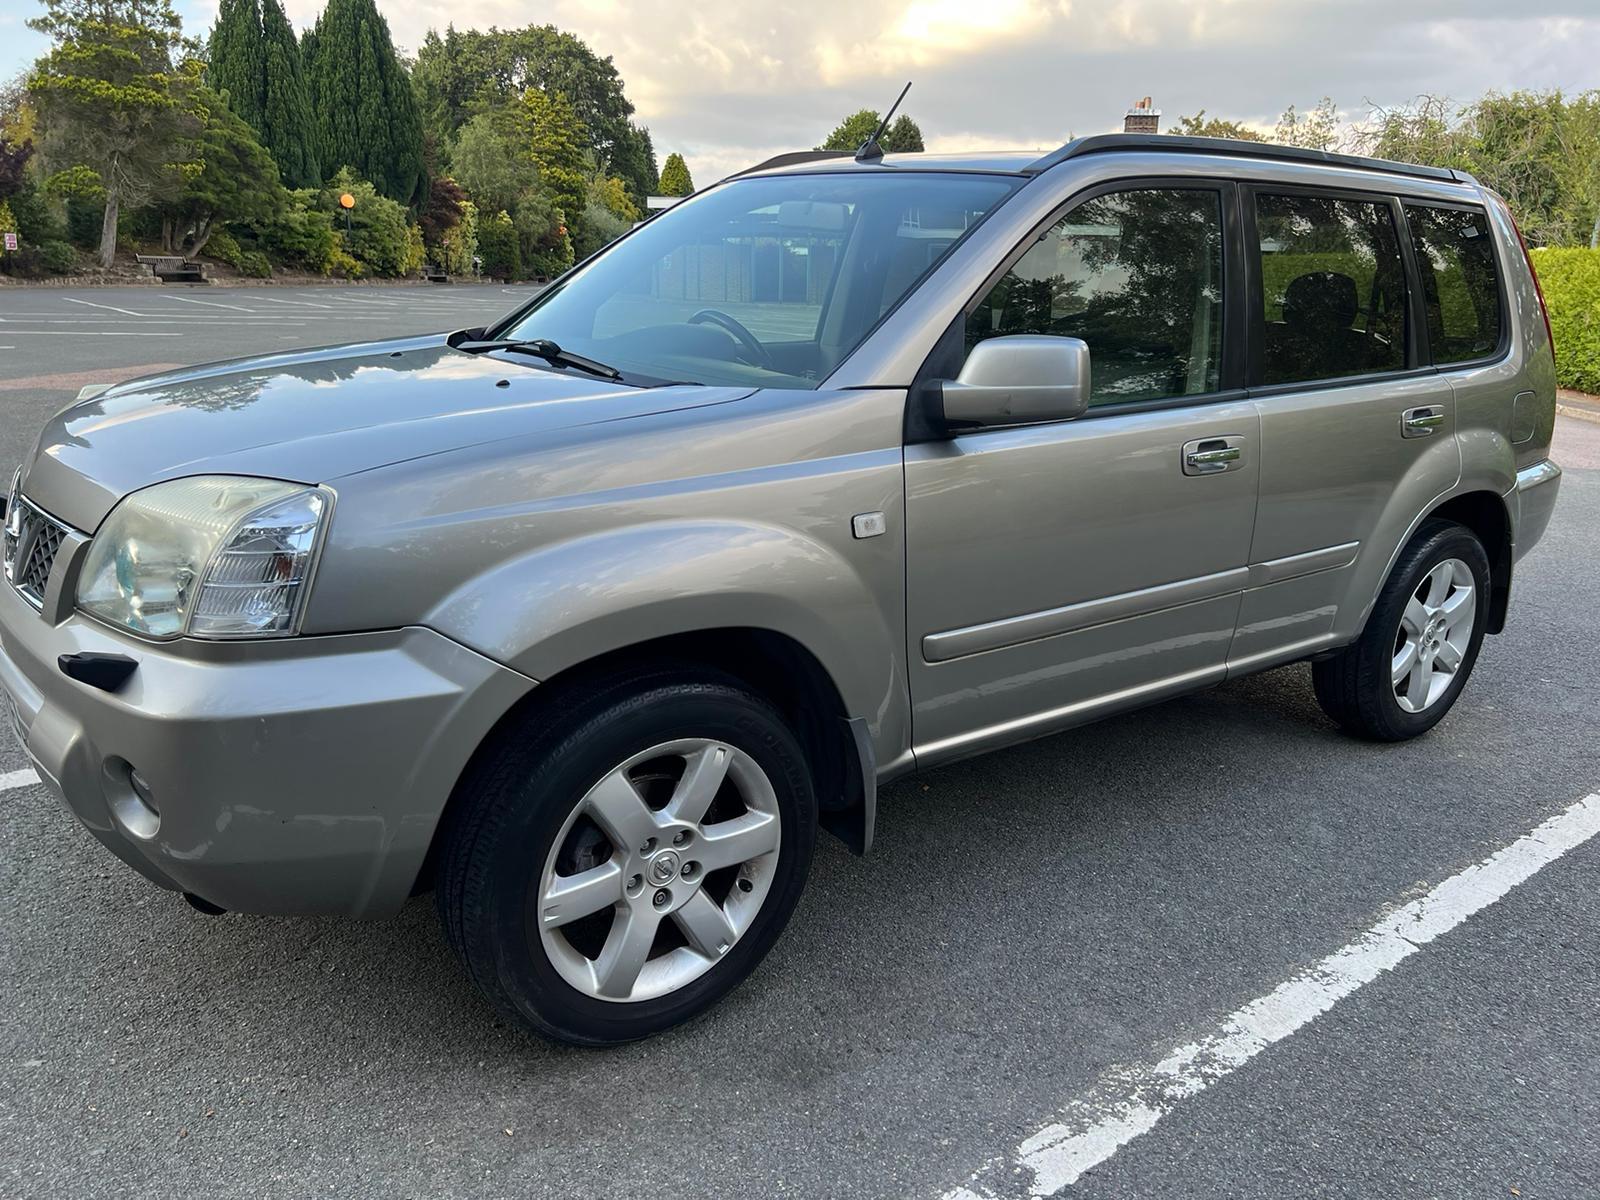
x: 765, y: 282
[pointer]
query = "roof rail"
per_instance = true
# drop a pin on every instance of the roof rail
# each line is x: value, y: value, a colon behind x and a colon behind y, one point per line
x: 792, y: 158
x: 1170, y: 143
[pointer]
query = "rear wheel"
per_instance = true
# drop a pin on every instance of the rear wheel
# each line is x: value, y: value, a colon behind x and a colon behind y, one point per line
x: 1404, y: 673
x: 616, y: 871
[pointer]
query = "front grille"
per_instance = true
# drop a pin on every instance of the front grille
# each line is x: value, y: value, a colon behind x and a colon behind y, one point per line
x: 32, y: 540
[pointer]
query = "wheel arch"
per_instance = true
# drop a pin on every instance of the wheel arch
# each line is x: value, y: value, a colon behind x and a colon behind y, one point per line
x: 1485, y: 514
x: 774, y: 665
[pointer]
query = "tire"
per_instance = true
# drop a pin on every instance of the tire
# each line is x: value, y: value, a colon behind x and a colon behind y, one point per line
x: 1358, y: 687
x: 545, y: 808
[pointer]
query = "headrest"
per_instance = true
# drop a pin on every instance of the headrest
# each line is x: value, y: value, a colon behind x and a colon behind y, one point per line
x: 1320, y: 300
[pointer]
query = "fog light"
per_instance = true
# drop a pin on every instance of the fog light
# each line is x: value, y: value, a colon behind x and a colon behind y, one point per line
x: 131, y: 799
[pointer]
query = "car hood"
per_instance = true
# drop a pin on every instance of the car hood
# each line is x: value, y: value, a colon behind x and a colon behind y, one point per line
x: 313, y: 416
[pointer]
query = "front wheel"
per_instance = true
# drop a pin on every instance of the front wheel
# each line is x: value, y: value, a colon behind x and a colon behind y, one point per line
x: 616, y: 871
x: 1408, y: 667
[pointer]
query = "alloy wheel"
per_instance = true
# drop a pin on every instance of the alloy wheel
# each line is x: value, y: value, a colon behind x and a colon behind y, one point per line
x: 658, y: 871
x: 1434, y: 635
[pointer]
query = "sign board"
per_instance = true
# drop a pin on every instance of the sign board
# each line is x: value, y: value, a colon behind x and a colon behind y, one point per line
x: 11, y: 241
x: 347, y: 201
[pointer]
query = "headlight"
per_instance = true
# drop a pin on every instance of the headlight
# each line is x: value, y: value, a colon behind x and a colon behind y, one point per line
x: 215, y: 556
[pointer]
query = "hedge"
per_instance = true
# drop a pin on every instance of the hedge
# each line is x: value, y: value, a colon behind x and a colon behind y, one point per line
x: 1571, y: 282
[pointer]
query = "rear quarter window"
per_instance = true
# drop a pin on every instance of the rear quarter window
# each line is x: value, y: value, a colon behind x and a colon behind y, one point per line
x: 1460, y: 281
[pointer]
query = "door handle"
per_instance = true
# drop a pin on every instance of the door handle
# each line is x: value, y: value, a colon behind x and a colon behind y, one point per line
x: 1421, y: 422
x: 1209, y: 456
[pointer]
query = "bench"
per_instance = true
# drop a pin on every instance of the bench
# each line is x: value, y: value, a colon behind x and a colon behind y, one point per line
x: 173, y: 268
x: 434, y: 273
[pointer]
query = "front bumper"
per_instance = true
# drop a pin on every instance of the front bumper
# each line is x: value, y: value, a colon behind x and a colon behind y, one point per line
x: 304, y: 775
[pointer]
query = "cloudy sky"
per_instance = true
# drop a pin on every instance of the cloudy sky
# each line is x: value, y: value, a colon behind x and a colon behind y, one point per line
x: 727, y: 82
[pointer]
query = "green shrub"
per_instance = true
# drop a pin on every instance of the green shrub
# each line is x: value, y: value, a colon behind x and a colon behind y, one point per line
x: 255, y: 264
x: 377, y: 232
x: 84, y: 219
x: 498, y: 247
x: 57, y: 257
x: 1571, y: 282
x: 301, y: 236
x: 224, y: 247
x: 32, y: 210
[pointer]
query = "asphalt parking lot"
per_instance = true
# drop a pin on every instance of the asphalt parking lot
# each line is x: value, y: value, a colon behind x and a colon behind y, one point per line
x: 1032, y: 930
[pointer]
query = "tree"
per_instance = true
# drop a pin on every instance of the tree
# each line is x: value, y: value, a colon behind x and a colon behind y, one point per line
x: 286, y: 113
x: 255, y: 63
x: 902, y: 137
x: 459, y: 75
x: 1540, y: 150
x: 110, y: 101
x: 497, y: 246
x: 675, y: 180
x: 237, y: 65
x: 231, y: 178
x: 365, y: 111
x: 1216, y: 127
x: 555, y: 141
x: 489, y: 160
x: 1316, y: 130
x: 442, y: 213
x: 13, y: 162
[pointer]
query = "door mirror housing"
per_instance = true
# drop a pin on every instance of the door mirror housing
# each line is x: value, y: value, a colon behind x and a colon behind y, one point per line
x: 1020, y: 379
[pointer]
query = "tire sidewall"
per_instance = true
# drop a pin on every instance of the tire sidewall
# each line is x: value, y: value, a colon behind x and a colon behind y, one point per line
x: 527, y: 979
x: 1445, y: 542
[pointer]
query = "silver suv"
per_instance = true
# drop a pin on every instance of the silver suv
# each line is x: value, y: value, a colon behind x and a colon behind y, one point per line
x: 845, y: 467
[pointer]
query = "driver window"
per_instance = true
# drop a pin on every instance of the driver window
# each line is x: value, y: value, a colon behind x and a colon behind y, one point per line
x: 1137, y: 275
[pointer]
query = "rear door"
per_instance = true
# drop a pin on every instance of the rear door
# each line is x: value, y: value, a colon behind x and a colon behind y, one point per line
x: 1357, y: 431
x: 1058, y: 571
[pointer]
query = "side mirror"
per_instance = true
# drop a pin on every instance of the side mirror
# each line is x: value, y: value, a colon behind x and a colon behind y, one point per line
x: 1019, y: 380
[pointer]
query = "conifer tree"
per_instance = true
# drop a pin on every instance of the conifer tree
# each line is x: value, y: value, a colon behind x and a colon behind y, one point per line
x: 237, y: 66
x: 255, y: 62
x: 675, y: 180
x: 365, y: 112
x: 288, y: 130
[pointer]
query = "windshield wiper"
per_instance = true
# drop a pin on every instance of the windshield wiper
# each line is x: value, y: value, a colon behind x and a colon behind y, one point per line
x: 546, y: 349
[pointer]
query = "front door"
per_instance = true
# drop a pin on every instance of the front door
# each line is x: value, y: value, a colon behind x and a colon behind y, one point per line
x: 1058, y: 571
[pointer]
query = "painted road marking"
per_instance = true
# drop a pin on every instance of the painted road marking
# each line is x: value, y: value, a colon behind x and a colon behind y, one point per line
x: 302, y: 303
x: 86, y: 333
x: 207, y: 303
x: 107, y: 307
x: 1128, y: 1101
x: 16, y: 779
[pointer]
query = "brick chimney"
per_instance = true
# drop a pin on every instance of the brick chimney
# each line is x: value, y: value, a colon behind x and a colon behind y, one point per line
x: 1143, y: 117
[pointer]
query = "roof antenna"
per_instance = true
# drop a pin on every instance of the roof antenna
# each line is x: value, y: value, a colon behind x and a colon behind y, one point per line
x: 870, y: 151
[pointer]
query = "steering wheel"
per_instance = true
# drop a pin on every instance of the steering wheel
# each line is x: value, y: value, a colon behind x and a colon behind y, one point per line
x: 715, y: 316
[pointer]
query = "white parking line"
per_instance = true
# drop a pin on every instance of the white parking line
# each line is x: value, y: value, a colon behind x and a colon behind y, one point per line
x: 108, y: 307
x: 86, y: 333
x: 16, y: 779
x: 207, y: 303
x: 1129, y: 1101
x: 301, y: 303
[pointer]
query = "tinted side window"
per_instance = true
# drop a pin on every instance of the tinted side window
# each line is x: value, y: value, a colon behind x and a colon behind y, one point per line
x: 1138, y: 276
x: 1333, y: 288
x: 1460, y: 283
